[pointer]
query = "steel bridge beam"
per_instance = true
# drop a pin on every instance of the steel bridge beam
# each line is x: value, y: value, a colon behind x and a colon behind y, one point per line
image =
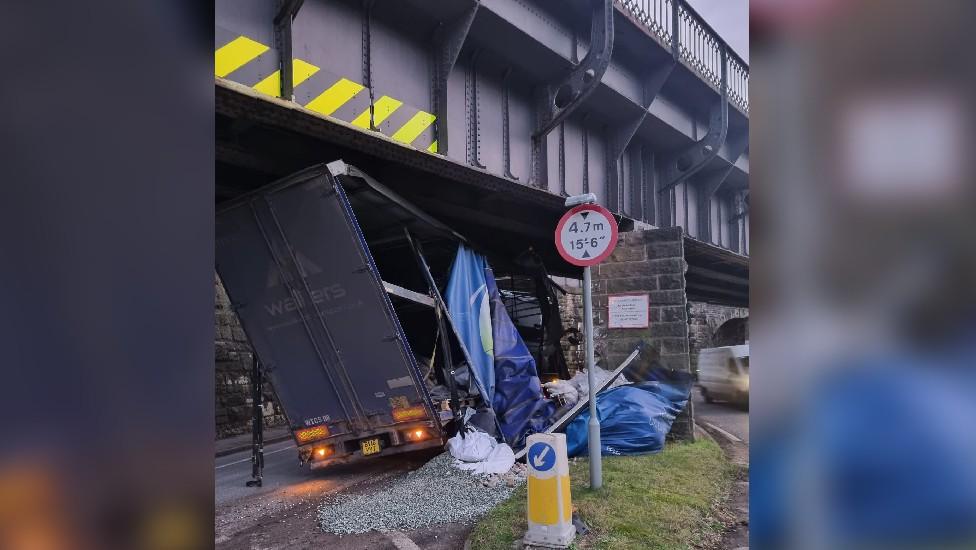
x: 285, y: 14
x: 449, y: 38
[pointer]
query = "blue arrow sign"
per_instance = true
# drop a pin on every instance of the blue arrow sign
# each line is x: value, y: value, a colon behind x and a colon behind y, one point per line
x: 542, y: 457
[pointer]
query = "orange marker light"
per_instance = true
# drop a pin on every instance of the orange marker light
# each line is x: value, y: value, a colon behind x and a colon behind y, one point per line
x: 311, y: 434
x: 416, y: 412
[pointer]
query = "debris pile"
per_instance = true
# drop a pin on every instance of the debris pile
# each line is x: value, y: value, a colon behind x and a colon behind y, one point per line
x: 512, y: 478
x: 569, y: 392
x: 437, y: 492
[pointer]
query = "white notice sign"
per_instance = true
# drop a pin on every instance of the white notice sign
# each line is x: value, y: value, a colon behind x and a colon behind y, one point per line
x: 628, y: 311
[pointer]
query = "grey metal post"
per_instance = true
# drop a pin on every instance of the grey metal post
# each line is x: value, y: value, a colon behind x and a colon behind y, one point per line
x: 596, y: 457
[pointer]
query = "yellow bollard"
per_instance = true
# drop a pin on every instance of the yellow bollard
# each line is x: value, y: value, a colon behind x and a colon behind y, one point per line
x: 550, y: 507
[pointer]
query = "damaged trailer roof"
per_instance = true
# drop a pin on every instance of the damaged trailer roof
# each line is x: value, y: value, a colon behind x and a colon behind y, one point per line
x: 385, y: 214
x: 385, y: 217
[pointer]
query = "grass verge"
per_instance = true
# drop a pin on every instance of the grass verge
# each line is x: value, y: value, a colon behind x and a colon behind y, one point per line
x: 667, y: 500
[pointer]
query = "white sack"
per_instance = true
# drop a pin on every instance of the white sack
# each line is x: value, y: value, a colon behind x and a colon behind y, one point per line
x: 473, y: 447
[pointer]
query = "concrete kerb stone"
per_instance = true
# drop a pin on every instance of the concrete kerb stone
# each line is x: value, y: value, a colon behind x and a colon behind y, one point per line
x: 703, y: 434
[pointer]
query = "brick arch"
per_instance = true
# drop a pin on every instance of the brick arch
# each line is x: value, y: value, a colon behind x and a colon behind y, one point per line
x: 732, y: 332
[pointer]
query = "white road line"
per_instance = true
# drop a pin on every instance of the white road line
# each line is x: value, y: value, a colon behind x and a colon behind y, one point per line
x: 723, y: 432
x: 248, y: 459
x: 401, y: 541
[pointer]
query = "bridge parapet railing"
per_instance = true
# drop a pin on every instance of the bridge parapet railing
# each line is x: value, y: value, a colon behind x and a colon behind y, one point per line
x: 699, y: 46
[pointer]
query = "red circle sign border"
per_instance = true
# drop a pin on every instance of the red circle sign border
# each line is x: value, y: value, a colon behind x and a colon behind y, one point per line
x: 613, y: 235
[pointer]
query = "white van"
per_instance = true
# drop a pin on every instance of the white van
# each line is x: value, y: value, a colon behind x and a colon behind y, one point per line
x: 723, y: 374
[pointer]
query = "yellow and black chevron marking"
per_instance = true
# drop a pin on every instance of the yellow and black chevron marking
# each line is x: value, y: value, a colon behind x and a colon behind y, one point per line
x: 254, y: 64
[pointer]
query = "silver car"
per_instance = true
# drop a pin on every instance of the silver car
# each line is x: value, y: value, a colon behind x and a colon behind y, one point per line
x: 723, y: 374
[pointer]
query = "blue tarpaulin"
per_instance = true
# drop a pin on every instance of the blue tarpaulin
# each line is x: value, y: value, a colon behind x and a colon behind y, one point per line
x: 469, y: 305
x: 518, y: 402
x: 634, y: 419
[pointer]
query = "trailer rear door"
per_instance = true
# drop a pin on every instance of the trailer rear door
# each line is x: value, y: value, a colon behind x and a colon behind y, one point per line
x: 296, y: 267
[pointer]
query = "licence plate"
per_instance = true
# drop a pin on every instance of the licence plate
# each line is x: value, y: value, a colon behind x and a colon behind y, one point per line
x: 370, y: 446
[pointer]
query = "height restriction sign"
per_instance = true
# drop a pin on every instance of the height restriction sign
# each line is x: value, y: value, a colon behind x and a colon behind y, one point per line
x: 586, y: 235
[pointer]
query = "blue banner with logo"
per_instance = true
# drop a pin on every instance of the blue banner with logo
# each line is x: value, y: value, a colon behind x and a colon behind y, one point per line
x: 469, y: 305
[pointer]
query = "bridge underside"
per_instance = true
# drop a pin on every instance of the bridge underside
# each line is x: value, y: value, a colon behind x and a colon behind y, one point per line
x: 461, y: 138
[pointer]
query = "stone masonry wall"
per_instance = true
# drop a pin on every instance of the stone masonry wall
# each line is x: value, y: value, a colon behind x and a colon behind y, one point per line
x: 652, y: 262
x: 705, y: 320
x: 232, y: 366
x: 571, y: 314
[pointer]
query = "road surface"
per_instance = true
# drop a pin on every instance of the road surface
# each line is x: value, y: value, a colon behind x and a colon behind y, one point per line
x: 282, y: 514
x: 729, y: 418
x: 729, y: 425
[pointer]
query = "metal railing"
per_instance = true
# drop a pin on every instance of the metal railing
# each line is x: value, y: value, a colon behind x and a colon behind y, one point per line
x: 654, y: 14
x: 739, y: 82
x: 699, y: 46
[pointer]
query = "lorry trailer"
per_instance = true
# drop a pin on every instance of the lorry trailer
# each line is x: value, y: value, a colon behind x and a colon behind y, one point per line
x: 353, y: 343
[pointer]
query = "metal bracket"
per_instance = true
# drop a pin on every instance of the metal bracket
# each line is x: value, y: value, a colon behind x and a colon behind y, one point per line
x: 636, y: 210
x: 741, y: 204
x: 287, y: 10
x: 367, y: 54
x: 562, y: 160
x: 586, y: 152
x: 744, y: 204
x: 710, y: 182
x: 448, y: 39
x: 565, y: 96
x: 648, y: 193
x: 472, y: 106
x: 506, y: 126
x: 693, y: 158
x: 733, y: 221
x: 557, y: 101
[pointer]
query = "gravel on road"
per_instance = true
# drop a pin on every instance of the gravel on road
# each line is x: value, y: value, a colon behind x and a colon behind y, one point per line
x: 437, y: 492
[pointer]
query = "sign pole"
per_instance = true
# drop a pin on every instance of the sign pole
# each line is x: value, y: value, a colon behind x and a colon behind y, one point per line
x: 596, y: 457
x: 585, y: 236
